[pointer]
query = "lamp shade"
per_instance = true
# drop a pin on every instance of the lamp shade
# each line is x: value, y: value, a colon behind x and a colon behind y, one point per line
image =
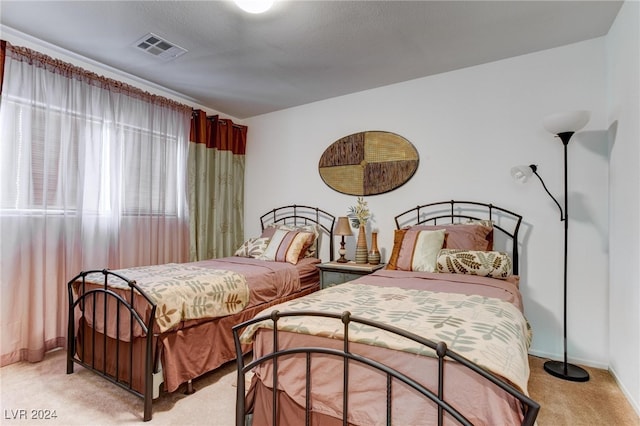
x: 521, y: 174
x: 566, y: 121
x: 343, y: 227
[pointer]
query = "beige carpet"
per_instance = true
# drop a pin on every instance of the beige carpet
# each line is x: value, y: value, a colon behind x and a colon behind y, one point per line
x: 83, y: 398
x: 598, y: 401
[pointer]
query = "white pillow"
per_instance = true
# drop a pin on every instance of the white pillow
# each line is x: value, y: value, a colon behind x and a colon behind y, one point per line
x: 426, y: 249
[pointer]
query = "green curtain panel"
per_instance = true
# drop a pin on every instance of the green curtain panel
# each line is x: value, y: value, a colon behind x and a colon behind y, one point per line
x: 215, y: 186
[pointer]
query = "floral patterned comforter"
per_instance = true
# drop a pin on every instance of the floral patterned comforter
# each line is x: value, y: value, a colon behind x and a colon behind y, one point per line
x: 488, y: 331
x: 184, y: 292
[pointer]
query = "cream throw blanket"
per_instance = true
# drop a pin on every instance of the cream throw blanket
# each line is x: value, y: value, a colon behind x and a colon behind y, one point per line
x: 488, y: 331
x: 183, y: 291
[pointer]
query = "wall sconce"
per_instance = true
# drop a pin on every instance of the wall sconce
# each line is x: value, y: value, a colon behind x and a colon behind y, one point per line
x: 563, y: 125
x: 343, y: 228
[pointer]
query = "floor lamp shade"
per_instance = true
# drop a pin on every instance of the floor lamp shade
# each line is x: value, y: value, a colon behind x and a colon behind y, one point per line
x: 565, y: 122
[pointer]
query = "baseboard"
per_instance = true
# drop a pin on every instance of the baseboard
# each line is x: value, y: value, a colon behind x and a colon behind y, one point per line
x: 579, y: 361
x: 626, y: 393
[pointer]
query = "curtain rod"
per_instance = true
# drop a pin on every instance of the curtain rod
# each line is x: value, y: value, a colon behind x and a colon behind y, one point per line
x: 194, y: 111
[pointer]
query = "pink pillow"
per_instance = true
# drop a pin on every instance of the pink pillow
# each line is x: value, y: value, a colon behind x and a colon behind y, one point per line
x: 463, y: 236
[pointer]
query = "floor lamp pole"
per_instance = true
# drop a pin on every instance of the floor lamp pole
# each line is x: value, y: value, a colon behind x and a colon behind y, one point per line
x: 564, y: 370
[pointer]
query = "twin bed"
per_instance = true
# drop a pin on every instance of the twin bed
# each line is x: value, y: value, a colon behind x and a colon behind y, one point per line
x: 437, y: 337
x: 165, y: 325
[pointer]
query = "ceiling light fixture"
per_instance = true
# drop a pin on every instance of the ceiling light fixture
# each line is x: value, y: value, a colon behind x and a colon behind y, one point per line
x: 254, y: 6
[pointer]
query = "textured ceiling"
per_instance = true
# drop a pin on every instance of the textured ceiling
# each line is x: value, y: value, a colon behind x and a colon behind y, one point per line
x: 303, y: 51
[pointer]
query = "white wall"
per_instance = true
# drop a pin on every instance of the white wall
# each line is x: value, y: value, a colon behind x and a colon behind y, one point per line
x: 623, y: 117
x: 470, y: 126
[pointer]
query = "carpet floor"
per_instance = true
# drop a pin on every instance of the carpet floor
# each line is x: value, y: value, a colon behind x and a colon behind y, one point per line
x: 83, y: 398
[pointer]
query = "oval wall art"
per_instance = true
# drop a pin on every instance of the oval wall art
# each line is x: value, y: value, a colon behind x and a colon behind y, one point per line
x: 368, y: 163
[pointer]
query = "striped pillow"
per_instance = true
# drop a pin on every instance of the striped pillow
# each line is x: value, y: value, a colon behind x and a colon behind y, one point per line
x: 287, y: 246
x: 419, y: 250
x: 312, y: 250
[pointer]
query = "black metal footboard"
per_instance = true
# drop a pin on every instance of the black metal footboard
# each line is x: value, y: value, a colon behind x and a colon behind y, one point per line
x: 80, y: 298
x: 529, y: 407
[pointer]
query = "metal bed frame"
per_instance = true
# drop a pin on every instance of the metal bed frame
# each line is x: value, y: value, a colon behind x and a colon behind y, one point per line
x: 529, y: 406
x: 302, y: 215
x: 288, y: 215
x: 437, y: 213
x: 448, y: 212
x: 107, y: 295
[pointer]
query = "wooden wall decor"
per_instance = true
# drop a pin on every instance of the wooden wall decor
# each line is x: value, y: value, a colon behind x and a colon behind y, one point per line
x: 368, y: 163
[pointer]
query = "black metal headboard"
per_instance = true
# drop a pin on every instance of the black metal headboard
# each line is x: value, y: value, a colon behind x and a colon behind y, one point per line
x: 303, y: 215
x: 452, y: 211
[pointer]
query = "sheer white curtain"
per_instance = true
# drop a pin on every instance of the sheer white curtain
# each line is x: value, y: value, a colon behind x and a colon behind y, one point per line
x: 92, y: 176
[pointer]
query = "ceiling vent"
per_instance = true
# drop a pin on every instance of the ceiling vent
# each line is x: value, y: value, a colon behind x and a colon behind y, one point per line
x: 159, y: 47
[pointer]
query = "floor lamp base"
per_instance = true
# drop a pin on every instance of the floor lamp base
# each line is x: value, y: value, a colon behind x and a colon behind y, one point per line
x: 566, y: 372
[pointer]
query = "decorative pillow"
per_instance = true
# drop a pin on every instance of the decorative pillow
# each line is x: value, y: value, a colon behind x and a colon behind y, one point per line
x: 253, y: 247
x: 495, y: 264
x: 312, y: 250
x: 470, y: 236
x: 398, y: 236
x: 287, y: 246
x: 416, y: 250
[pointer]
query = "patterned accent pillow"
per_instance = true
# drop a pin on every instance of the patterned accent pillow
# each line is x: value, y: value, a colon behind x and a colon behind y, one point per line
x: 287, y: 246
x: 253, y: 247
x: 416, y: 250
x: 495, y: 264
x: 312, y: 250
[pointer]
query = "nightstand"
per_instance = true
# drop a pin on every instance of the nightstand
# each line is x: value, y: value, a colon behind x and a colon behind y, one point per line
x: 334, y: 273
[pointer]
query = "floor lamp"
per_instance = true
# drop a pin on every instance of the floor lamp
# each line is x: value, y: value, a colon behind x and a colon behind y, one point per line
x: 562, y: 125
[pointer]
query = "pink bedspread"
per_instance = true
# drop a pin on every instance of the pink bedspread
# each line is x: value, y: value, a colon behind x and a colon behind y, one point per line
x: 266, y: 280
x: 481, y: 402
x: 506, y: 290
x: 195, y: 346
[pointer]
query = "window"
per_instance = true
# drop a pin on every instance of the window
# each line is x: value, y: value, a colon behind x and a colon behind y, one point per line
x: 127, y: 168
